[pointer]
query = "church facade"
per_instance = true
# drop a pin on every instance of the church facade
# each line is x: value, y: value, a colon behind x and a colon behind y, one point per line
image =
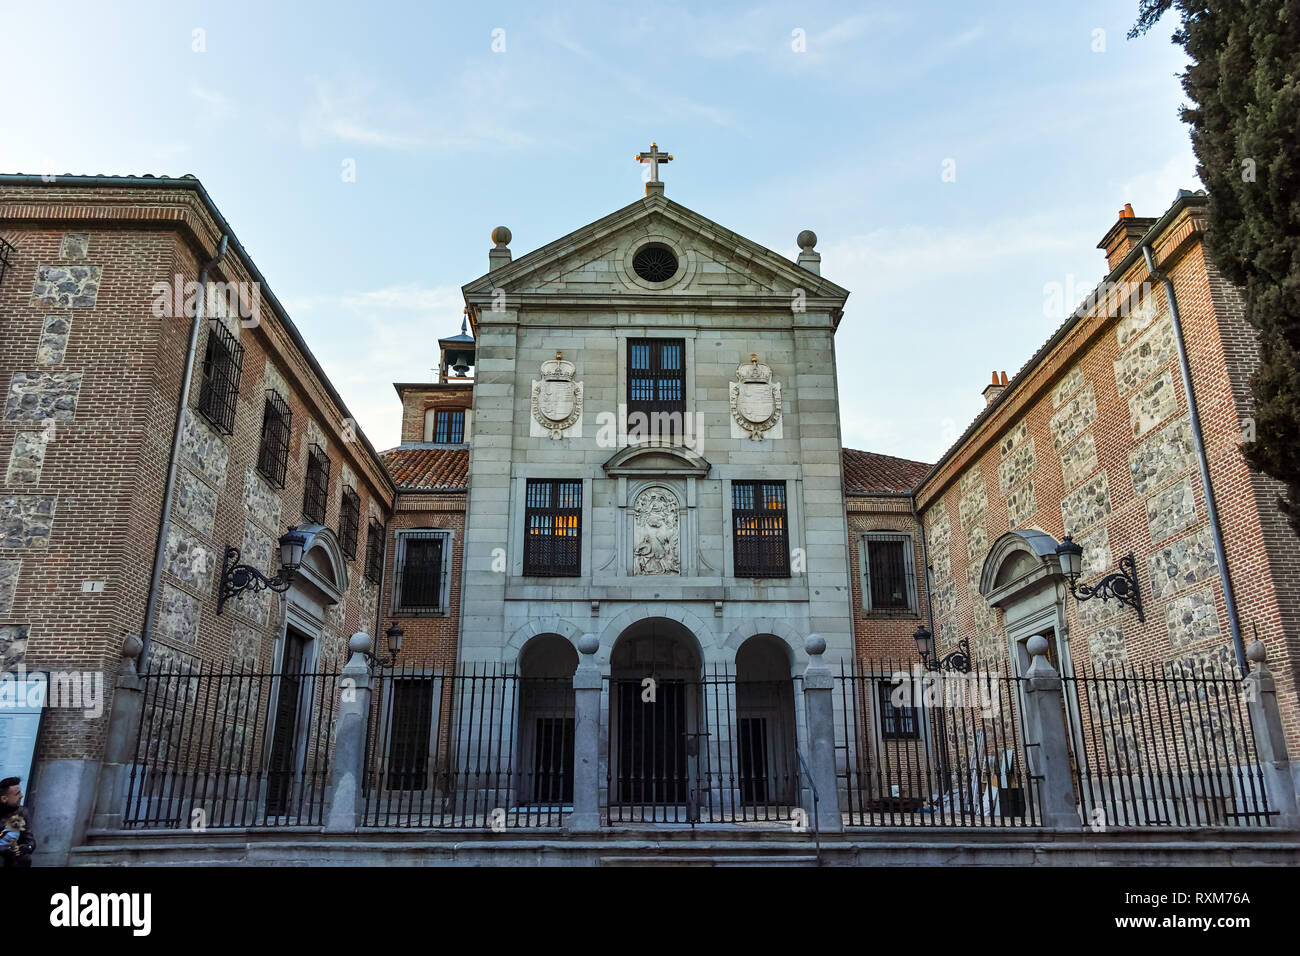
x: 624, y: 501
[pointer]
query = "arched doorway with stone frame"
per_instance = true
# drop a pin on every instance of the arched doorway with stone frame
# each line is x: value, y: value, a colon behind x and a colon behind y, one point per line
x: 294, y: 735
x: 766, y: 732
x: 544, y: 759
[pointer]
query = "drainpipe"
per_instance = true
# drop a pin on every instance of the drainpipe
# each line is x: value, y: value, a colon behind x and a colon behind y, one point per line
x: 925, y: 560
x: 383, y: 565
x: 1206, y: 486
x: 155, y: 583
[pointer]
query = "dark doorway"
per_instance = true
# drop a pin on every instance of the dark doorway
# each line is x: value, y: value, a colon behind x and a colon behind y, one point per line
x: 553, y: 760
x: 753, y: 759
x: 652, y: 743
x: 546, y: 724
x: 283, y: 742
x: 408, y: 743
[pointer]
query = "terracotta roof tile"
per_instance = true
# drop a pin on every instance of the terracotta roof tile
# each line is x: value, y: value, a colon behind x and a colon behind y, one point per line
x: 866, y: 472
x: 428, y: 469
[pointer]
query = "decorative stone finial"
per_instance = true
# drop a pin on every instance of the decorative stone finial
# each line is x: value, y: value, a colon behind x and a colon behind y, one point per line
x: 359, y: 643
x: 589, y: 644
x: 1036, y: 645
x: 1256, y: 652
x: 501, y: 236
x: 806, y: 240
x: 814, y: 644
x: 132, y: 646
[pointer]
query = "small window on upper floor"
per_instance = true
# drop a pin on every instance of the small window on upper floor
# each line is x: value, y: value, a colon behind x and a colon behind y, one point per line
x: 223, y: 362
x: 422, y: 572
x: 888, y: 576
x: 656, y: 388
x: 349, y: 521
x: 315, y: 489
x: 273, y: 449
x: 553, y: 527
x: 374, y: 551
x: 759, y: 529
x: 449, y: 426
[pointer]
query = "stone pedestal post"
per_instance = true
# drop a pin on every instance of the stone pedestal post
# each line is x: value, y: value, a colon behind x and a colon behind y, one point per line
x: 1047, y: 742
x: 343, y: 796
x: 1270, y: 743
x: 120, y: 745
x: 819, y: 709
x: 587, y: 685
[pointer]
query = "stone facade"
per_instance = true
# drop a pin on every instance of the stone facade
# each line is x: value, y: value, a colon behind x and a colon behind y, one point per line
x: 68, y: 287
x: 42, y: 396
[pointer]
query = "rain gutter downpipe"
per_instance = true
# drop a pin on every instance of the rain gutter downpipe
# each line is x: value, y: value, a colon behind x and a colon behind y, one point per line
x: 925, y: 560
x: 164, y: 526
x: 1206, y: 486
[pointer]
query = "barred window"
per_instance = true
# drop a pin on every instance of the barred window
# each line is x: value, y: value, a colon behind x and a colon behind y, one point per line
x: 315, y: 490
x: 760, y: 539
x: 897, y: 722
x: 374, y: 551
x: 273, y: 450
x: 888, y: 578
x: 223, y: 362
x: 449, y: 426
x: 553, y: 523
x: 656, y: 387
x: 349, y: 522
x: 421, y: 579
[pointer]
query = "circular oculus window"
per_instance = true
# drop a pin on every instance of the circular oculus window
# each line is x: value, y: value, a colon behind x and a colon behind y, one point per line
x: 655, y: 263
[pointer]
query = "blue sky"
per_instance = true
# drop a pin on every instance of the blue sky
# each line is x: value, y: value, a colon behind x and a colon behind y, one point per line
x: 1048, y: 135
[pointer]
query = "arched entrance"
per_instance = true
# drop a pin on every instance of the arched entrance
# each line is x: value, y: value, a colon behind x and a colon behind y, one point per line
x: 546, y: 667
x: 656, y: 723
x: 765, y: 727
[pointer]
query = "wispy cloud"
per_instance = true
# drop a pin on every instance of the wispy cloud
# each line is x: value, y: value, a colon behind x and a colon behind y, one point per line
x: 219, y: 105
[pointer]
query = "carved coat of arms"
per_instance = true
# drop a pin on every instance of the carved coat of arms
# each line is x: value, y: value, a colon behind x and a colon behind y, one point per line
x: 557, y: 398
x: 655, y: 531
x: 755, y: 399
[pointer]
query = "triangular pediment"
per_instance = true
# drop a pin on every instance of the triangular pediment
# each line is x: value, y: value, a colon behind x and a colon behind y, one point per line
x: 596, y: 260
x: 656, y: 459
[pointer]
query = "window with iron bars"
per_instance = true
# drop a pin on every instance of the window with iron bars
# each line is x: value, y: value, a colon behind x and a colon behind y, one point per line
x: 760, y: 538
x: 553, y: 527
x: 449, y: 426
x: 273, y: 449
x: 315, y: 489
x: 897, y: 721
x: 420, y: 581
x: 656, y: 388
x: 223, y: 361
x: 7, y: 256
x: 374, y: 551
x: 349, y: 522
x: 888, y: 579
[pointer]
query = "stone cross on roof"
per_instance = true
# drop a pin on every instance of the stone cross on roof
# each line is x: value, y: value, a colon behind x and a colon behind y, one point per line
x: 654, y: 157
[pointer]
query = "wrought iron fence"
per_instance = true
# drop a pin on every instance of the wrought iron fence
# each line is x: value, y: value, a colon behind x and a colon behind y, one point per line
x: 927, y: 748
x: 1165, y: 745
x: 484, y: 748
x: 711, y: 750
x: 225, y: 749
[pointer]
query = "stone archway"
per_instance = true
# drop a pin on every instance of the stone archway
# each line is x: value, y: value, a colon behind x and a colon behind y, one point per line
x: 546, y: 721
x: 1022, y: 577
x: 767, y: 762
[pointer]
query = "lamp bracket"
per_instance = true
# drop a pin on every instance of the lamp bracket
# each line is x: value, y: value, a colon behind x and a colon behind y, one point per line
x: 1122, y: 585
x: 239, y: 578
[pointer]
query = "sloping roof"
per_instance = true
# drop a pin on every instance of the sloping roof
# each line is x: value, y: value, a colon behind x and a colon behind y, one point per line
x: 866, y: 472
x: 428, y: 469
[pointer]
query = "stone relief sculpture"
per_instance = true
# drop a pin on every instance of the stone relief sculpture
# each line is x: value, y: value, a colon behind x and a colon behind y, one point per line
x: 756, y: 400
x: 655, y: 533
x: 557, y: 398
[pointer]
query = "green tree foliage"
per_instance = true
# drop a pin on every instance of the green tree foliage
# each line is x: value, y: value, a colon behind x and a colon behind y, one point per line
x: 1244, y: 84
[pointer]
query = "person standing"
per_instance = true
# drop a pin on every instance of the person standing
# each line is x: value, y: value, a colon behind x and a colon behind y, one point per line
x: 16, y: 840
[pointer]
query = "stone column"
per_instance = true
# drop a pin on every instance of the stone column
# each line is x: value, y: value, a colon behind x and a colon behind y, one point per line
x: 1047, y: 742
x: 343, y: 796
x: 586, y: 738
x: 1260, y: 691
x: 120, y: 745
x: 819, y: 708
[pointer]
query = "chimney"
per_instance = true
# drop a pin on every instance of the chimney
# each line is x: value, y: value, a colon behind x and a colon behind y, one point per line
x: 994, y: 389
x: 1124, y: 235
x: 499, y: 255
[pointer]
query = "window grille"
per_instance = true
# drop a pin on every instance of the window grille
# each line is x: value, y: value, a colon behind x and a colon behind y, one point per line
x: 656, y: 388
x: 553, y: 523
x: 420, y: 584
x: 273, y: 450
x: 374, y: 551
x: 7, y: 256
x: 449, y: 427
x: 223, y: 361
x: 349, y: 522
x: 315, y: 490
x: 888, y: 581
x: 897, y: 722
x: 760, y: 539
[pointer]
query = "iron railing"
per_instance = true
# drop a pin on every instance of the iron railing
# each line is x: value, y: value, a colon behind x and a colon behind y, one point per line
x: 485, y: 748
x: 316, y: 484
x: 247, y: 749
x: 1164, y: 745
x: 223, y: 361
x: 707, y: 750
x: 273, y: 447
x: 925, y: 748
